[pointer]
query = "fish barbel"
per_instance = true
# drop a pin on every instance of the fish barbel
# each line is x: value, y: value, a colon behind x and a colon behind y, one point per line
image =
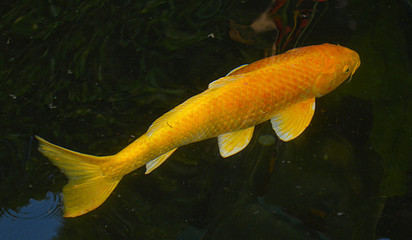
x: 280, y: 88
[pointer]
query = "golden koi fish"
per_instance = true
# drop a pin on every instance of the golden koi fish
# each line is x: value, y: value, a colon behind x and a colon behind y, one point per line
x: 281, y: 88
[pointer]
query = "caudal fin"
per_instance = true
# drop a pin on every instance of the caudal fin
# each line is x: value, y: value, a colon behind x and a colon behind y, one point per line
x: 87, y: 188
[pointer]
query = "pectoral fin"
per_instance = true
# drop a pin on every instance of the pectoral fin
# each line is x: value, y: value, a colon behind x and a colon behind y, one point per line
x: 234, y: 142
x: 152, y: 165
x: 290, y: 123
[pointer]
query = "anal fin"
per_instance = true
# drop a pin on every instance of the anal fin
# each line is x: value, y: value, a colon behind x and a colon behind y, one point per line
x: 153, y: 164
x: 234, y: 142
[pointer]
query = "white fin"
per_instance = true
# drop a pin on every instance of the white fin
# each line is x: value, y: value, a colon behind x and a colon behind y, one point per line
x: 153, y: 164
x: 223, y: 81
x: 234, y: 142
x: 291, y: 122
x: 234, y: 70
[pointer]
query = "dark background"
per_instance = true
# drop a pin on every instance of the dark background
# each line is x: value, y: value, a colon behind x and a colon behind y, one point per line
x: 93, y: 75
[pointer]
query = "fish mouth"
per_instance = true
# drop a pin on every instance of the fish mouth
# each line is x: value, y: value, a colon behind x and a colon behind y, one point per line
x: 353, y: 71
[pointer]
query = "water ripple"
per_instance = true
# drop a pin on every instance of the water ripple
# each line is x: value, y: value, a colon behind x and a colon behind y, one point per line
x: 39, y: 219
x: 49, y: 207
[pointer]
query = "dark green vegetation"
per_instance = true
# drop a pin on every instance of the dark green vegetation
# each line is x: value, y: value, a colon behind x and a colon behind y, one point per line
x: 93, y: 75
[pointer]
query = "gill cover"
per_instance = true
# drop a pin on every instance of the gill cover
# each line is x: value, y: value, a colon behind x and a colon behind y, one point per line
x: 326, y: 80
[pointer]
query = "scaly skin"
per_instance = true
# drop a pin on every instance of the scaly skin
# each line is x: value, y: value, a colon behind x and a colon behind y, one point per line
x: 262, y: 89
x: 281, y: 88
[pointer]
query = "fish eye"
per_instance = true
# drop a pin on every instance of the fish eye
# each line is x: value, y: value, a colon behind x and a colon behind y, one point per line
x: 346, y: 69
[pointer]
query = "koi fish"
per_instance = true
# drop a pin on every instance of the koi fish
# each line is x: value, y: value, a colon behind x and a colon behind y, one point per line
x: 280, y: 88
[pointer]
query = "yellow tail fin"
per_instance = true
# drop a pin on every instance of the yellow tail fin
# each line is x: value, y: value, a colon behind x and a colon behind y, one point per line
x: 87, y: 188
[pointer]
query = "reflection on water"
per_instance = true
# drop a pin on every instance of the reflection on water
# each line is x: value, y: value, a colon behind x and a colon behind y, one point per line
x: 40, y: 219
x: 267, y: 140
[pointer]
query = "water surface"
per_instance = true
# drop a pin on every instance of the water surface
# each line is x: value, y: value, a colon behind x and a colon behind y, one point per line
x: 92, y: 76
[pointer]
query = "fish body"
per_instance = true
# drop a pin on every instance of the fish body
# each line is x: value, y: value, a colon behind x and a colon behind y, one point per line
x: 280, y: 88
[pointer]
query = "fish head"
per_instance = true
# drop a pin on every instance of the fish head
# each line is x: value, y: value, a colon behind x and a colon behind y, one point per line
x: 339, y: 64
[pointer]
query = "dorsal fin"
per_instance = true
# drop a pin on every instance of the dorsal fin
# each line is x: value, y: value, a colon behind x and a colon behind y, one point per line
x: 227, y: 79
x: 223, y: 81
x: 292, y: 121
x: 238, y: 68
x: 163, y: 120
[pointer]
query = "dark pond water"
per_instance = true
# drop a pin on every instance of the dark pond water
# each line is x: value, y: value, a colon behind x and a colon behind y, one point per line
x: 93, y: 75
